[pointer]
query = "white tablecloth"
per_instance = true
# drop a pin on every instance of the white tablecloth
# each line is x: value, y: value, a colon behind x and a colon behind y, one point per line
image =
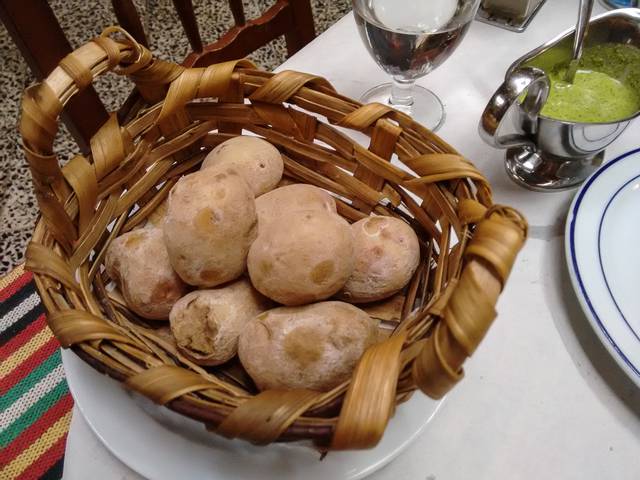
x: 541, y: 398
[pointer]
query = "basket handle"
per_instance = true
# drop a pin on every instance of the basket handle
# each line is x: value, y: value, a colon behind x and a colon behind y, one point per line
x: 41, y: 107
x: 467, y: 309
x: 43, y: 103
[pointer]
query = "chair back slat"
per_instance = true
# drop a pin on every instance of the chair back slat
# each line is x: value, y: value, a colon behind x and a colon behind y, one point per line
x: 237, y: 10
x: 129, y: 19
x: 187, y: 16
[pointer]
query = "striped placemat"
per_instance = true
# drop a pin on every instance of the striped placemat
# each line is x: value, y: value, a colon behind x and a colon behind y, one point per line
x: 35, y: 403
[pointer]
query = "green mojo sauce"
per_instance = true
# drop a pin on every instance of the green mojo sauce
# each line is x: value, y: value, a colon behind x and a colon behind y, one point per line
x: 592, y: 97
x: 606, y: 86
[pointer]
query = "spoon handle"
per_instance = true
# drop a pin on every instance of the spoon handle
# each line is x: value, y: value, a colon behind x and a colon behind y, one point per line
x: 584, y: 14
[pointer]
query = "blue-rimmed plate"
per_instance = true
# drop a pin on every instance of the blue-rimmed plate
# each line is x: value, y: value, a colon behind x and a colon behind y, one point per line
x: 603, y: 252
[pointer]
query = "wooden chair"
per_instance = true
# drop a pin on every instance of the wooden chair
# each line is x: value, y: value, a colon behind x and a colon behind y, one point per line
x: 35, y: 30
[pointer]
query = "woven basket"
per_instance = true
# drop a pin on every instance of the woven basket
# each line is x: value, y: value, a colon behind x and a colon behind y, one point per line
x: 468, y: 244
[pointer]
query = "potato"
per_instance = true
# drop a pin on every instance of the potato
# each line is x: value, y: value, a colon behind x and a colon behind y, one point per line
x: 206, y: 323
x: 387, y: 253
x: 139, y: 263
x: 306, y: 258
x: 209, y: 225
x: 316, y: 346
x: 259, y: 162
x: 292, y: 198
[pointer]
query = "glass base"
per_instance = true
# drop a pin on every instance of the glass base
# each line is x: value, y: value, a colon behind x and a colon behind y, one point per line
x: 426, y: 108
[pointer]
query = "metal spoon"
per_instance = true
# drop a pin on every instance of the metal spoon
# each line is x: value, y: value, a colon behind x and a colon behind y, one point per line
x: 584, y: 14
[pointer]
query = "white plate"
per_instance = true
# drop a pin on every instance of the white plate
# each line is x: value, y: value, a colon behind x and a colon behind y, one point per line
x: 602, y: 243
x: 160, y: 444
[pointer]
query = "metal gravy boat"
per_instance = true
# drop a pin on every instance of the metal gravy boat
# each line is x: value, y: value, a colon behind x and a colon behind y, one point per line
x: 545, y: 153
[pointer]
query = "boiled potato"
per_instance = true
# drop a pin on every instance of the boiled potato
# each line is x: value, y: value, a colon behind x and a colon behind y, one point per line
x: 282, y: 201
x: 139, y: 263
x: 206, y: 323
x: 387, y: 253
x: 259, y: 162
x: 315, y: 346
x: 209, y: 225
x: 306, y: 258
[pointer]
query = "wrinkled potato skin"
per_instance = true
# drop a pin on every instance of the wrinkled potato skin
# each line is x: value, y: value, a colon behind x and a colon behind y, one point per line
x: 283, y: 201
x: 207, y: 323
x: 304, y: 259
x: 139, y: 263
x: 209, y: 226
x: 314, y: 346
x: 255, y: 159
x: 387, y: 253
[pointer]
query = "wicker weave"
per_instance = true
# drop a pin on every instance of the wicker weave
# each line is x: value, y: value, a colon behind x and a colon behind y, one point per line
x: 468, y: 244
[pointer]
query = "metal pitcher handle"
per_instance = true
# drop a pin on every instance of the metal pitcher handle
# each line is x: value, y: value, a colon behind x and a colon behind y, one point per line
x: 530, y: 79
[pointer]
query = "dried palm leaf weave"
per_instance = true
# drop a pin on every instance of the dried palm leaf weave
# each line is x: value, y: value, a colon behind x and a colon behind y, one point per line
x: 468, y: 244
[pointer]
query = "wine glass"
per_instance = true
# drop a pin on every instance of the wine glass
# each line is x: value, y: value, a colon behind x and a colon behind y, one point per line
x: 408, y: 39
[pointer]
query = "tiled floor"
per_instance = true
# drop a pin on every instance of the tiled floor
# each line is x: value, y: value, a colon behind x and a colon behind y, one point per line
x: 82, y: 21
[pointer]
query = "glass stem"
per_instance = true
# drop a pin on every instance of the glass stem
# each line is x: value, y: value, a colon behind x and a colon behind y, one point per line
x: 402, y: 94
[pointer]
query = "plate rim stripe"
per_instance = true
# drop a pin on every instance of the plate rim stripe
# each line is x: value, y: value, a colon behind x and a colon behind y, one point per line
x: 574, y: 211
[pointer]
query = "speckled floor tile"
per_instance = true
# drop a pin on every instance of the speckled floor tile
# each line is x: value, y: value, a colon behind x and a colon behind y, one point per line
x: 82, y: 21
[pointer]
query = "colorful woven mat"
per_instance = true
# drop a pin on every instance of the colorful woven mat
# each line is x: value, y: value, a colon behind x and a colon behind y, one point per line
x: 35, y: 403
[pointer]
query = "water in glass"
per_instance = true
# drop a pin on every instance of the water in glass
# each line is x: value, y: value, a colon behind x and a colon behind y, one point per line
x: 408, y: 39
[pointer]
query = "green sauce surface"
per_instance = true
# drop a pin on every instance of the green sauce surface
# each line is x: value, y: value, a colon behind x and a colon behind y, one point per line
x: 593, y: 97
x: 606, y: 87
